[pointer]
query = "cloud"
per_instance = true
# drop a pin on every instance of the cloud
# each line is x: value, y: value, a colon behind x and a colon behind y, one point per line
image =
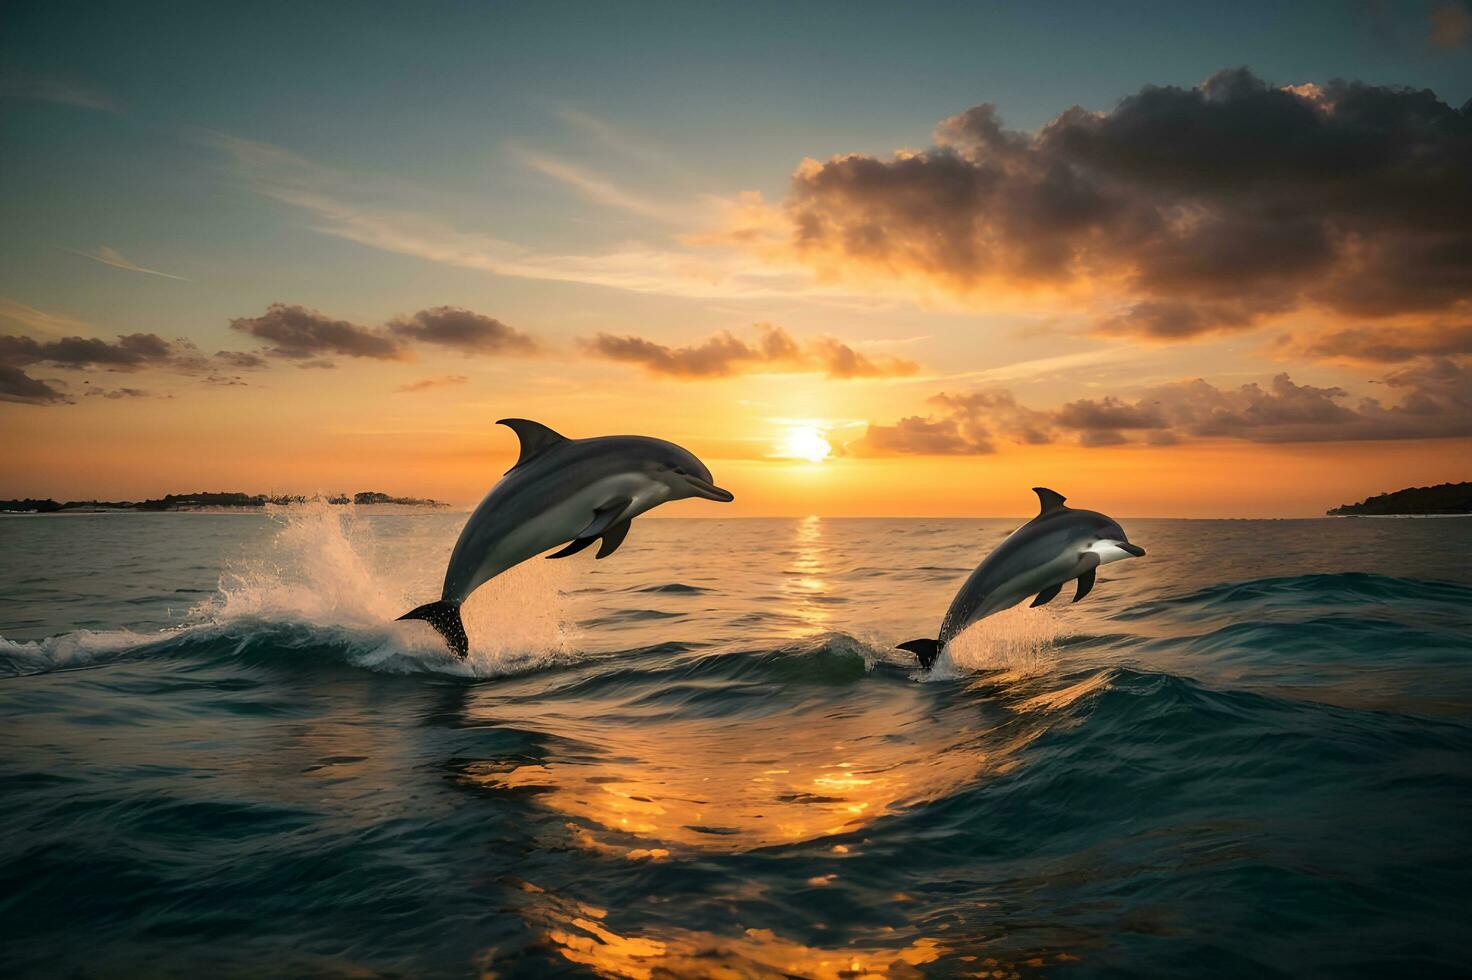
x: 119, y: 393
x: 1206, y: 209
x: 241, y: 359
x: 38, y: 320
x: 1451, y: 24
x: 427, y: 384
x: 774, y: 351
x: 114, y: 258
x: 17, y: 386
x: 130, y: 352
x: 393, y: 216
x: 601, y: 190
x: 300, y: 333
x: 922, y: 436
x: 1383, y: 344
x: 463, y: 330
x: 57, y: 90
x: 1434, y: 401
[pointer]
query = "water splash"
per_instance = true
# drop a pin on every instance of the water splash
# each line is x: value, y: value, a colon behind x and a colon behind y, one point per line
x: 1021, y: 642
x: 326, y: 568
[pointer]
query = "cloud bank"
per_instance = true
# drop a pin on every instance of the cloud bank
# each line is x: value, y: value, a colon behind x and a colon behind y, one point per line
x: 1205, y: 208
x: 724, y: 354
x: 1434, y: 400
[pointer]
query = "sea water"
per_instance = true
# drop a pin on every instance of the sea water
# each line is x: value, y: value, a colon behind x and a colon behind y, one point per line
x: 1247, y: 754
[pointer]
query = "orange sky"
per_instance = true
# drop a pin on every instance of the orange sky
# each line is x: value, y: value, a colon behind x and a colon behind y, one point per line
x: 925, y: 311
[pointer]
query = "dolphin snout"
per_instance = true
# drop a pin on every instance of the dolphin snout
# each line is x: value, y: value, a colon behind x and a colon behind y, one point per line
x: 1133, y: 549
x: 708, y: 490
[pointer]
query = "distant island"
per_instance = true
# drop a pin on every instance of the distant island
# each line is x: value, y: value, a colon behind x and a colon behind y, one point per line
x: 203, y: 501
x: 1444, y: 498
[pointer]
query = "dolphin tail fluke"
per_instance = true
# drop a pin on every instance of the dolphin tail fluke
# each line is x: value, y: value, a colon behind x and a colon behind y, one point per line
x: 925, y: 650
x: 444, y: 616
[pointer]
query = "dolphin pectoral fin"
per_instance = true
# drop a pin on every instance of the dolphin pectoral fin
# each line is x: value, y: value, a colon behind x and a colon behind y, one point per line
x: 1085, y: 583
x: 612, y: 538
x: 535, y: 438
x: 604, y: 517
x: 573, y: 547
x: 924, y: 650
x: 1047, y: 595
x: 599, y: 527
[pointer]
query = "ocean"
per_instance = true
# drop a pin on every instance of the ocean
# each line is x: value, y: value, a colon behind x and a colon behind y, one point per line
x: 1246, y: 754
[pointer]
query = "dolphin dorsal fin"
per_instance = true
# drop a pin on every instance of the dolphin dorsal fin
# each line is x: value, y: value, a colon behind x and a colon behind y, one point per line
x: 1050, y: 500
x: 535, y: 438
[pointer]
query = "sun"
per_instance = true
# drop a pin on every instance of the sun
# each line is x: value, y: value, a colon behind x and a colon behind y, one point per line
x: 806, y: 442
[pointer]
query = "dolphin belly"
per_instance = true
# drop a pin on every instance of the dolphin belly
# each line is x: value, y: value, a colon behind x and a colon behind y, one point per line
x: 513, y: 530
x: 988, y: 598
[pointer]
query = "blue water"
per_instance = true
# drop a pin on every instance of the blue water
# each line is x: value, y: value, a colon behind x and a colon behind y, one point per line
x: 1248, y: 754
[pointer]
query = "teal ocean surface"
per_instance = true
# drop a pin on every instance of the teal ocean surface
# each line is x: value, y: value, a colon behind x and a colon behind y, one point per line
x: 1247, y: 754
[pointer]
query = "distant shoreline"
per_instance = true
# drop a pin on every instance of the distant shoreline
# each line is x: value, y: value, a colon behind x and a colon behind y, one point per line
x: 1442, y: 500
x: 208, y: 502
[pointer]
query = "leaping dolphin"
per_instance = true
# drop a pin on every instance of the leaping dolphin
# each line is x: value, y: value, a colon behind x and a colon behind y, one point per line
x: 561, y: 491
x: 1058, y: 545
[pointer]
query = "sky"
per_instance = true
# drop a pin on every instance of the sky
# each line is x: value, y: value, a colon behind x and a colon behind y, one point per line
x: 1187, y: 259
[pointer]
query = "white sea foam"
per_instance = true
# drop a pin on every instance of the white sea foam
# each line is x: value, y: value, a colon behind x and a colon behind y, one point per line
x: 325, y: 568
x: 80, y: 648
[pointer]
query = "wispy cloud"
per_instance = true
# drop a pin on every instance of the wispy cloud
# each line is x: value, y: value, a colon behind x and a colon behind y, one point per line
x: 60, y: 91
x: 39, y: 321
x: 352, y: 207
x: 616, y: 139
x: 429, y: 384
x: 600, y: 189
x: 111, y: 256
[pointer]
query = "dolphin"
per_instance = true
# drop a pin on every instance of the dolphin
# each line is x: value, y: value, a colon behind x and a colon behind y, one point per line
x: 1058, y: 545
x: 561, y: 492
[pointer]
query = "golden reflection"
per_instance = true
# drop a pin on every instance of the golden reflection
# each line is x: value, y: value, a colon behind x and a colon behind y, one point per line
x: 805, y: 584
x: 735, y: 786
x: 581, y: 934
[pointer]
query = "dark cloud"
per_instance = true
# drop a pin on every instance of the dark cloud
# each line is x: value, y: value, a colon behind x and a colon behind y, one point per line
x: 121, y: 393
x: 300, y: 333
x: 426, y: 384
x: 1433, y: 399
x: 464, y: 330
x: 1109, y: 413
x: 1383, y: 344
x: 241, y: 359
x: 1211, y: 206
x: 17, y: 386
x: 724, y: 354
x: 130, y: 352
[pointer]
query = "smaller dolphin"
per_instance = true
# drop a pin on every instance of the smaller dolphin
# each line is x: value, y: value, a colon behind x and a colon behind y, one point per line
x: 1058, y: 545
x: 561, y: 491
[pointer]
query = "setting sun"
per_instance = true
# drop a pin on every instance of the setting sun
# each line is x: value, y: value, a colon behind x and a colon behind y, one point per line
x: 806, y: 442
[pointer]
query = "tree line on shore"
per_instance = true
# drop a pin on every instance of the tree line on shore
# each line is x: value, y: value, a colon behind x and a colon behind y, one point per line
x: 194, y: 501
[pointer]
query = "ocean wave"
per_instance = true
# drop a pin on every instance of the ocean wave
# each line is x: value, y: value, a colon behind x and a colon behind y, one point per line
x: 1297, y: 591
